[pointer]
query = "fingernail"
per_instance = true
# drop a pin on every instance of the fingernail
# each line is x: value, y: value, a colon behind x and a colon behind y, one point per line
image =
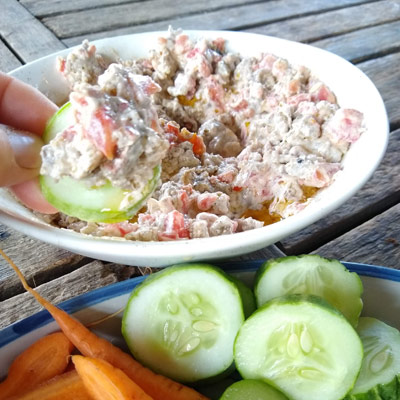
x: 26, y: 148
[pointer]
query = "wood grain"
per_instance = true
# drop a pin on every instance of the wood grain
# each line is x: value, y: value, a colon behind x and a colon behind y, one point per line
x: 314, y: 27
x: 385, y: 73
x: 381, y: 192
x: 365, y: 43
x: 41, y: 8
x: 8, y: 61
x: 377, y: 241
x: 88, y: 277
x: 99, y: 19
x: 228, y: 18
x: 39, y: 262
x: 24, y: 33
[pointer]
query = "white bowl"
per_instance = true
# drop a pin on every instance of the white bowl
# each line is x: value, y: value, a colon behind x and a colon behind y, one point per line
x: 352, y: 88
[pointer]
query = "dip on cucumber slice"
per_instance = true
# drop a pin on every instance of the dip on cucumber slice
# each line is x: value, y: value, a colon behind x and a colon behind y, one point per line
x: 311, y: 274
x: 182, y: 322
x: 105, y: 203
x: 301, y: 345
x: 380, y: 370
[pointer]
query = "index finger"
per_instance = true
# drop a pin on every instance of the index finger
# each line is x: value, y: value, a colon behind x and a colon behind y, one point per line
x: 23, y: 106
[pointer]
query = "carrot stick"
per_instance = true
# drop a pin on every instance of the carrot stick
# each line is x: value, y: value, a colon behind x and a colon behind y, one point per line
x: 68, y: 386
x: 44, y: 359
x: 157, y: 386
x: 105, y: 382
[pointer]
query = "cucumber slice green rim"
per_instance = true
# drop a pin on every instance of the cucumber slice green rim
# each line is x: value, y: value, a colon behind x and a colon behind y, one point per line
x: 380, y: 370
x: 247, y: 295
x: 92, y: 204
x: 182, y: 322
x: 252, y: 389
x: 311, y: 274
x: 301, y: 345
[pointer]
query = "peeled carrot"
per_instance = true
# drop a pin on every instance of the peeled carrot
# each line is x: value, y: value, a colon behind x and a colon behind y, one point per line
x: 157, y: 386
x: 44, y: 359
x: 105, y: 382
x: 67, y: 386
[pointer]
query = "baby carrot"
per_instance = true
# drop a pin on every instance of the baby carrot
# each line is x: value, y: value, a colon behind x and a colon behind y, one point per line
x: 157, y: 386
x: 67, y: 386
x: 105, y: 382
x: 44, y: 359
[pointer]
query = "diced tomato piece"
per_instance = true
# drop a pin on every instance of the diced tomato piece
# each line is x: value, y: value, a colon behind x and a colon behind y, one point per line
x: 184, y: 135
x: 241, y: 105
x: 124, y: 228
x: 174, y: 227
x: 146, y: 84
x: 219, y: 44
x: 61, y: 64
x: 237, y: 188
x: 206, y: 200
x: 99, y: 132
x: 346, y: 124
x: 216, y: 92
x: 193, y: 52
x: 226, y: 177
x: 184, y: 200
x: 322, y: 92
x: 296, y: 99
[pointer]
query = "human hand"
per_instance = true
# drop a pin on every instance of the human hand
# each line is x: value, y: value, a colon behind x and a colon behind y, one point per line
x: 24, y: 112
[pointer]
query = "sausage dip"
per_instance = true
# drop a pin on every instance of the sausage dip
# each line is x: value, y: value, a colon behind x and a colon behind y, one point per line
x: 242, y: 142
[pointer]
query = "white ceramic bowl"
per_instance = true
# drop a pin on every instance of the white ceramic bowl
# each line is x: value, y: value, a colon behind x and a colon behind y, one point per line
x: 352, y: 88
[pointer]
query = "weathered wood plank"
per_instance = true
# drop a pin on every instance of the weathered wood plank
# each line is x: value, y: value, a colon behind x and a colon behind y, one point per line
x: 24, y: 33
x: 230, y: 18
x: 375, y: 242
x: 8, y: 61
x: 364, y: 43
x: 41, y: 8
x: 100, y: 19
x: 385, y: 73
x: 380, y: 192
x: 39, y: 262
x: 89, y: 277
x: 318, y: 26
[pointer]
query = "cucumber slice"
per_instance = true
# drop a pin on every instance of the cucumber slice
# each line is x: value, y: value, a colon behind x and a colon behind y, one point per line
x: 380, y: 370
x: 182, y: 322
x: 93, y: 204
x: 247, y: 295
x: 301, y: 345
x: 311, y: 274
x: 252, y: 389
x: 58, y: 122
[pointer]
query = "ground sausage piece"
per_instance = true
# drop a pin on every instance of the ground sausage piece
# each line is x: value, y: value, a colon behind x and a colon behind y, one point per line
x: 219, y: 139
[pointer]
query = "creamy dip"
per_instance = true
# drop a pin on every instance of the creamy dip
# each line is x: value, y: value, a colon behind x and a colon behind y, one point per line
x: 243, y: 141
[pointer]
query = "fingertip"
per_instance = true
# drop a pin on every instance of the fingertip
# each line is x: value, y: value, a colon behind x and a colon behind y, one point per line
x: 23, y: 106
x: 30, y: 195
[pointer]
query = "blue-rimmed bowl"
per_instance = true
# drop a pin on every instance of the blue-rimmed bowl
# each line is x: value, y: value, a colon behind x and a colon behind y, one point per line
x: 381, y: 299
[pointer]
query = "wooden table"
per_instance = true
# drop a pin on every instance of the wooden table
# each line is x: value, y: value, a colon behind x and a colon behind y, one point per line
x: 365, y: 32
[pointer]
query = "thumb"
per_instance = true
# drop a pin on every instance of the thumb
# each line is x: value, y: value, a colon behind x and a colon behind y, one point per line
x: 19, y: 155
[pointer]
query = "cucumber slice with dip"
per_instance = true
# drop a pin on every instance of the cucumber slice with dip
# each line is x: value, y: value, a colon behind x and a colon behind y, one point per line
x: 75, y: 198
